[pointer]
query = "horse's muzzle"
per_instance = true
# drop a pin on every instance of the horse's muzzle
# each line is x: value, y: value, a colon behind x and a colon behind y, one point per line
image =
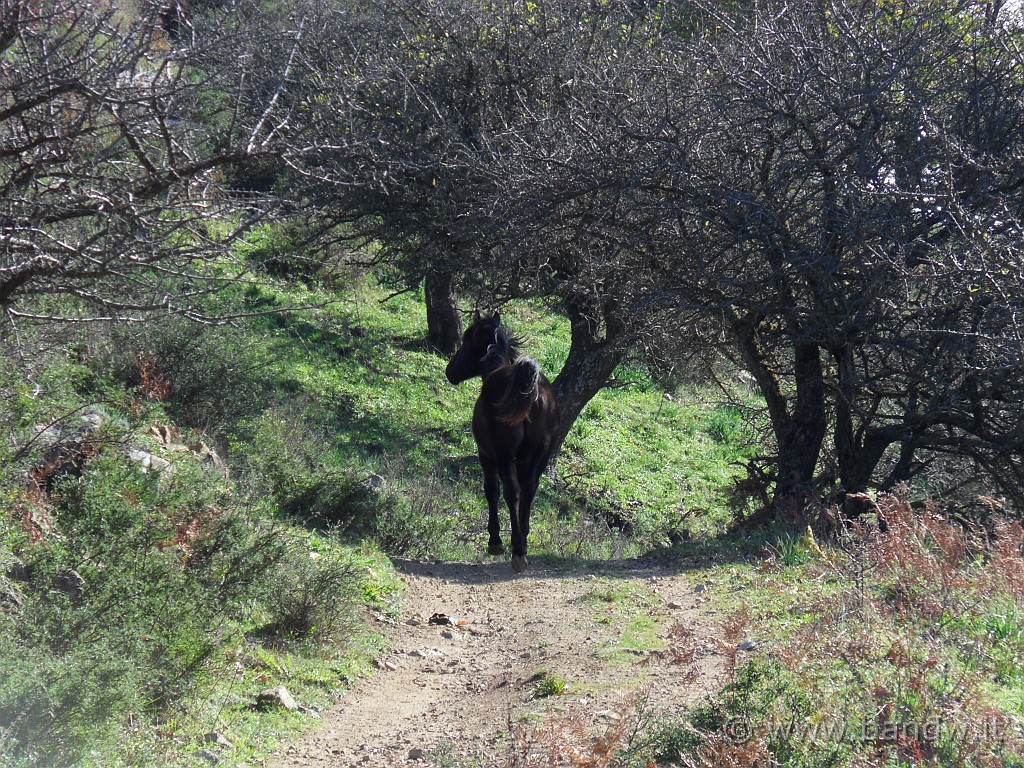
x: 451, y: 373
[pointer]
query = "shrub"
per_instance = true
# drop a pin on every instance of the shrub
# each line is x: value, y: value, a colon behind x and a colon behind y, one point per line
x: 211, y: 376
x: 759, y: 687
x: 299, y: 250
x: 280, y: 251
x: 122, y: 605
x: 418, y: 517
x: 312, y: 594
x: 294, y: 467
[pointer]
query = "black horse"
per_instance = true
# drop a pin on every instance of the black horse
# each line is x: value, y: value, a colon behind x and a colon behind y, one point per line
x: 514, y: 421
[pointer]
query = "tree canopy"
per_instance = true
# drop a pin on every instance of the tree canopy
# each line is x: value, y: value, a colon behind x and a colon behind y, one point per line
x: 826, y: 193
x: 832, y: 187
x: 851, y: 203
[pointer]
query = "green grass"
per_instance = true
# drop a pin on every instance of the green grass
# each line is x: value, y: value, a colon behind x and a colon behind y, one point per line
x: 636, y: 615
x: 344, y: 439
x: 548, y: 685
x: 657, y: 464
x: 345, y: 445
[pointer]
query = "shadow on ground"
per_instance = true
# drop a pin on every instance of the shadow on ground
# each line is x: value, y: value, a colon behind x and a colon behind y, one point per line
x: 659, y: 563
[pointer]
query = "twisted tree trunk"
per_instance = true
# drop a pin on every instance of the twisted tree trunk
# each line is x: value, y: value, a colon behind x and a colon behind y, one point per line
x: 593, y: 356
x: 799, y: 420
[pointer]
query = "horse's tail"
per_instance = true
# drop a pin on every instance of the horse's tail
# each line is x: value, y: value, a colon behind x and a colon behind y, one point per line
x: 513, y: 407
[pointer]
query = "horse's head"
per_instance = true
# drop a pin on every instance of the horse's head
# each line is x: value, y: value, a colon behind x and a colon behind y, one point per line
x: 484, y: 336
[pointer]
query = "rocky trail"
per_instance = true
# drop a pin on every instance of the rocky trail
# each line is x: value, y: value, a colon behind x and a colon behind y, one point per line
x: 468, y: 658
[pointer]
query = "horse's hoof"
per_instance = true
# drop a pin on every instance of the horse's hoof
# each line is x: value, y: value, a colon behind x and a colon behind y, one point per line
x: 495, y: 549
x: 519, y: 563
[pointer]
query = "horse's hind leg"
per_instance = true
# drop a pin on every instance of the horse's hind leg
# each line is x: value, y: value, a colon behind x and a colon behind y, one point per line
x: 492, y: 490
x: 513, y: 497
x: 529, y: 481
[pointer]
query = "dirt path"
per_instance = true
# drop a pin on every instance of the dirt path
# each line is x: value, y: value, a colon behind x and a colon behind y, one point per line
x: 463, y: 693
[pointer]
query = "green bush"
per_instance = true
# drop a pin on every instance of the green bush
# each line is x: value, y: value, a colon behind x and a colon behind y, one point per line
x: 420, y: 517
x: 215, y: 375
x: 763, y: 695
x: 122, y: 605
x: 296, y: 251
x: 312, y: 594
x: 279, y: 251
x: 295, y: 468
x: 670, y: 740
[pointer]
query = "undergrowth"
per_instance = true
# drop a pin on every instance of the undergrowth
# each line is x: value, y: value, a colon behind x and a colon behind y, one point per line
x: 899, y: 648
x: 142, y: 608
x: 149, y: 589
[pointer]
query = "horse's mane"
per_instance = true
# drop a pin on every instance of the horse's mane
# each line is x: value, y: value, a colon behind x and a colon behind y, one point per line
x: 505, y: 347
x: 521, y: 392
x: 520, y: 374
x: 515, y: 341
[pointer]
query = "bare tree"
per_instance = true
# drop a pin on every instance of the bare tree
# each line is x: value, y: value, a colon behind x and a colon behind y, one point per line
x: 114, y: 137
x: 847, y: 197
x: 478, y: 146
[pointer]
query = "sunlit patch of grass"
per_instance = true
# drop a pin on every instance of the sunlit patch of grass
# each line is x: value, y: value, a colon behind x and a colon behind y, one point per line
x: 654, y: 463
x: 641, y: 633
x: 548, y: 685
x: 633, y: 612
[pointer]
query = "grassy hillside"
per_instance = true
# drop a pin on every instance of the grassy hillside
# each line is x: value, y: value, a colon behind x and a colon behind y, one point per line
x: 354, y: 384
x: 144, y: 606
x: 196, y: 513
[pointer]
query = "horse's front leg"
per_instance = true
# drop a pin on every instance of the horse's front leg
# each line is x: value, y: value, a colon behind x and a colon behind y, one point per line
x: 492, y: 490
x: 513, y: 497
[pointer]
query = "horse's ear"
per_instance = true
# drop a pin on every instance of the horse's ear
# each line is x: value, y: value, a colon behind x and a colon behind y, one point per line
x: 500, y: 342
x: 476, y: 315
x: 496, y: 317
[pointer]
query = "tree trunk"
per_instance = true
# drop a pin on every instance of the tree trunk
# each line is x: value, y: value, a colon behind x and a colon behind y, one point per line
x: 858, y: 448
x: 444, y: 323
x: 855, y: 464
x: 801, y: 437
x: 799, y: 422
x: 591, y: 361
